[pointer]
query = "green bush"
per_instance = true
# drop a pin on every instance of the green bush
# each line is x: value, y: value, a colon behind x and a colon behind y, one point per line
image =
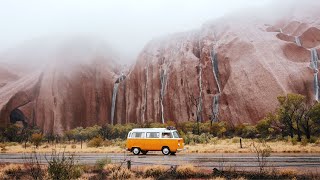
x: 63, y: 167
x: 304, y: 141
x: 95, y: 142
x: 36, y: 139
x: 100, y: 163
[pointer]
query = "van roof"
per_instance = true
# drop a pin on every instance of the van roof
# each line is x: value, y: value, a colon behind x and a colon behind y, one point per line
x: 149, y: 129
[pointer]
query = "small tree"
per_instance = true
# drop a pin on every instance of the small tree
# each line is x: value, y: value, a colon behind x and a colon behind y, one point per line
x: 36, y: 139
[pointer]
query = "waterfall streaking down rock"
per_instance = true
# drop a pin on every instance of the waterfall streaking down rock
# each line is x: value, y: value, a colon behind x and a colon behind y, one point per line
x: 215, y: 101
x: 114, y: 96
x: 280, y: 30
x: 297, y: 40
x: 199, y: 105
x: 316, y: 86
x: 163, y: 81
x: 144, y: 105
x: 314, y: 66
x: 215, y: 108
x: 215, y: 69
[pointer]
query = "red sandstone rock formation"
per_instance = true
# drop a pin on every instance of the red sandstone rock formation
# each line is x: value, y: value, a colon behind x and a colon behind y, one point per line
x: 229, y: 70
x: 74, y: 90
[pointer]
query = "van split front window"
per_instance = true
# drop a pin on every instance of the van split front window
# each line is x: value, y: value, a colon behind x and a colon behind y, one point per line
x: 175, y: 134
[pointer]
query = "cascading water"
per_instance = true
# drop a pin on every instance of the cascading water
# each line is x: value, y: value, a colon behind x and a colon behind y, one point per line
x: 215, y: 69
x: 199, y: 105
x: 114, y: 96
x: 297, y: 40
x: 216, y: 97
x: 144, y: 105
x: 163, y: 81
x: 314, y: 66
x: 281, y: 30
x: 215, y: 108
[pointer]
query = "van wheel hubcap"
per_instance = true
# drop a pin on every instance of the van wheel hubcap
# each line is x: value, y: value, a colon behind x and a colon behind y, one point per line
x: 165, y: 151
x: 136, y: 151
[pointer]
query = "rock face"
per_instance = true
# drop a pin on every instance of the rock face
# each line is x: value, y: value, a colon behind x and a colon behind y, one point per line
x: 229, y: 70
x: 74, y: 90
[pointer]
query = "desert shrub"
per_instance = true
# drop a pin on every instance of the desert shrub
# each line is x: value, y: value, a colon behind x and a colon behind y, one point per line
x: 121, y: 173
x: 119, y: 142
x: 95, y: 142
x: 191, y: 138
x: 36, y: 139
x: 186, y: 171
x: 34, y: 168
x: 101, y: 163
x: 11, y: 133
x: 214, y: 140
x: 12, y: 171
x: 73, y: 146
x: 107, y: 143
x: 3, y: 147
x: 293, y: 140
x: 304, y: 141
x: 111, y: 167
x: 249, y: 132
x: 262, y: 151
x: 26, y: 145
x: 62, y: 167
x: 154, y: 171
x: 313, y: 140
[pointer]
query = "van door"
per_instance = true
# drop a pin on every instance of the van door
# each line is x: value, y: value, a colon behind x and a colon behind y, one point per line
x: 153, y: 141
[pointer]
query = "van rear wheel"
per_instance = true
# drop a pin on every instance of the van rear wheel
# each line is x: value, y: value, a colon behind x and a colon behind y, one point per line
x: 136, y: 151
x: 165, y: 151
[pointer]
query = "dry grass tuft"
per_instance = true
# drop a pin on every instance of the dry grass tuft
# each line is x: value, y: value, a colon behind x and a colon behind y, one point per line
x: 122, y: 173
x: 187, y: 170
x: 154, y: 171
x: 10, y: 170
x: 288, y: 172
x: 111, y: 167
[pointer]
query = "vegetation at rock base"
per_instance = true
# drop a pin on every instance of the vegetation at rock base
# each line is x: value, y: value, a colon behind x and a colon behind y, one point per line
x: 295, y: 120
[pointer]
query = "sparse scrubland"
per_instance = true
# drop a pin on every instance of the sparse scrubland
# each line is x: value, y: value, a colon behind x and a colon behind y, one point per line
x: 61, y: 167
x: 292, y: 128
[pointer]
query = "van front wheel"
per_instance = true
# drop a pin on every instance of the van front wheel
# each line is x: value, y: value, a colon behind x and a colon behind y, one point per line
x: 165, y: 151
x: 136, y: 151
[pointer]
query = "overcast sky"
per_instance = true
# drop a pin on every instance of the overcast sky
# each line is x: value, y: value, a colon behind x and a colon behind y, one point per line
x: 127, y: 25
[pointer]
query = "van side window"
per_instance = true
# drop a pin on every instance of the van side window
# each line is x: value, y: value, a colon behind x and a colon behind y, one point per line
x: 138, y: 135
x: 153, y: 135
x: 166, y: 135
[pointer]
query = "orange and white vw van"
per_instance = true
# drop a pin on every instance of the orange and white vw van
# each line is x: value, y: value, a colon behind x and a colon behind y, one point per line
x: 143, y: 140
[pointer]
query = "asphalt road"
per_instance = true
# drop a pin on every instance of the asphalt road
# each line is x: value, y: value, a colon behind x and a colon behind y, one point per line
x: 245, y: 161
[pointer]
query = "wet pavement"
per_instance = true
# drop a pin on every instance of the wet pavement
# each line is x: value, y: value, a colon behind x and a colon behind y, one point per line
x: 216, y: 160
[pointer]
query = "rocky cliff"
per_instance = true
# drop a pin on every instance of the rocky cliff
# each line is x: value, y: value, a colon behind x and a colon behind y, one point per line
x: 230, y: 70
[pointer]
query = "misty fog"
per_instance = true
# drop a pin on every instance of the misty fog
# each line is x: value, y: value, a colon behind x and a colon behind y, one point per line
x: 125, y: 25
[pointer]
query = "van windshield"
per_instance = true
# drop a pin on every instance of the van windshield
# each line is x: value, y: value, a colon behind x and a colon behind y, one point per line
x: 175, y: 134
